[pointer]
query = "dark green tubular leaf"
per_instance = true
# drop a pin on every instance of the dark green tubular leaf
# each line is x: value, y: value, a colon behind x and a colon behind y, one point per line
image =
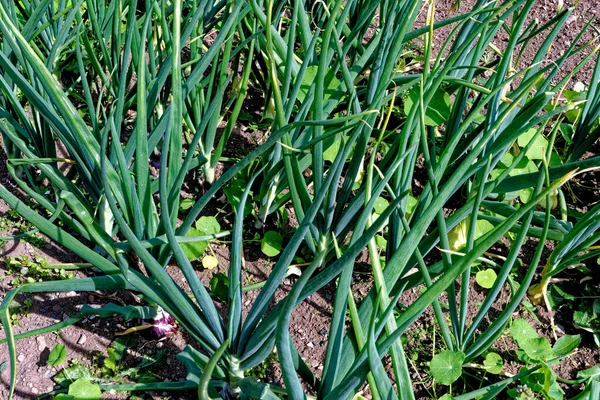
x: 200, y: 293
x: 174, y: 153
x: 194, y: 212
x: 357, y: 373
x: 142, y: 170
x: 495, y: 329
x: 283, y: 339
x: 396, y: 264
x: 127, y: 312
x: 257, y: 390
x: 69, y: 126
x: 195, y: 362
x: 492, y: 391
x: 234, y: 328
x: 146, y: 387
x: 203, y: 383
x: 186, y: 311
x: 10, y: 339
x: 257, y: 311
x: 384, y: 386
x: 268, y: 322
x: 587, y: 131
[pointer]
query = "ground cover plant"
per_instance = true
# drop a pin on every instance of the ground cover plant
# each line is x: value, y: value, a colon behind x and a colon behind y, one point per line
x: 117, y: 120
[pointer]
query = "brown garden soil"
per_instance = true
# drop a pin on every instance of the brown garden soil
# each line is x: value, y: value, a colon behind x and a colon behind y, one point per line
x: 88, y: 340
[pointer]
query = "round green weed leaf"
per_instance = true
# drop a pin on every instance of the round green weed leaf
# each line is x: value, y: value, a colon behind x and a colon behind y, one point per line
x: 486, y: 278
x: 271, y: 243
x: 521, y: 330
x: 438, y: 109
x: 194, y: 250
x: 380, y: 205
x: 208, y: 225
x: 446, y: 367
x: 83, y: 389
x: 493, y: 363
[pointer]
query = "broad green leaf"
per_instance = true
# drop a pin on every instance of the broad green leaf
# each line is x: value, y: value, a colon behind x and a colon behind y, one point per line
x: 486, y: 278
x: 186, y: 204
x: 271, y: 243
x: 194, y: 250
x: 521, y: 330
x: 208, y: 225
x: 331, y: 83
x: 234, y: 192
x: 62, y: 396
x: 537, y: 348
x: 457, y: 237
x: 380, y: 205
x: 204, y: 226
x: 446, y: 397
x: 332, y: 148
x: 380, y: 241
x: 446, y: 367
x: 438, y: 110
x: 83, y: 389
x: 551, y: 388
x: 410, y: 205
x: 590, y: 373
x: 219, y: 286
x: 566, y: 344
x: 72, y: 373
x: 493, y: 363
x: 57, y: 355
x: 538, y: 149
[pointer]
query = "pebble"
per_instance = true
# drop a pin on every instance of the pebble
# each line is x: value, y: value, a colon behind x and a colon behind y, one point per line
x: 49, y: 389
x: 159, y: 345
x: 41, y: 343
x: 21, y: 358
x: 82, y: 339
x: 71, y: 294
x: 34, y: 390
x: 310, y: 344
x: 24, y: 271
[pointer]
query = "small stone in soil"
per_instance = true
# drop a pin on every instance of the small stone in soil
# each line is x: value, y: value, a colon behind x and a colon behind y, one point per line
x: 323, y: 331
x: 310, y: 344
x: 34, y: 391
x: 82, y: 339
x: 21, y: 357
x: 24, y: 271
x: 41, y: 342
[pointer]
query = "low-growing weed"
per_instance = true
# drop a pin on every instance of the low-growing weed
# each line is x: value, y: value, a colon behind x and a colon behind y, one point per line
x: 29, y: 269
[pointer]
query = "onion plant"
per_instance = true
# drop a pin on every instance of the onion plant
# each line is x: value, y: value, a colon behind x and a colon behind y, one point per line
x: 352, y: 133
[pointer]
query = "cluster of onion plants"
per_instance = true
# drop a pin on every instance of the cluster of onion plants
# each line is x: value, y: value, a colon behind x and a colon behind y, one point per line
x: 164, y: 82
